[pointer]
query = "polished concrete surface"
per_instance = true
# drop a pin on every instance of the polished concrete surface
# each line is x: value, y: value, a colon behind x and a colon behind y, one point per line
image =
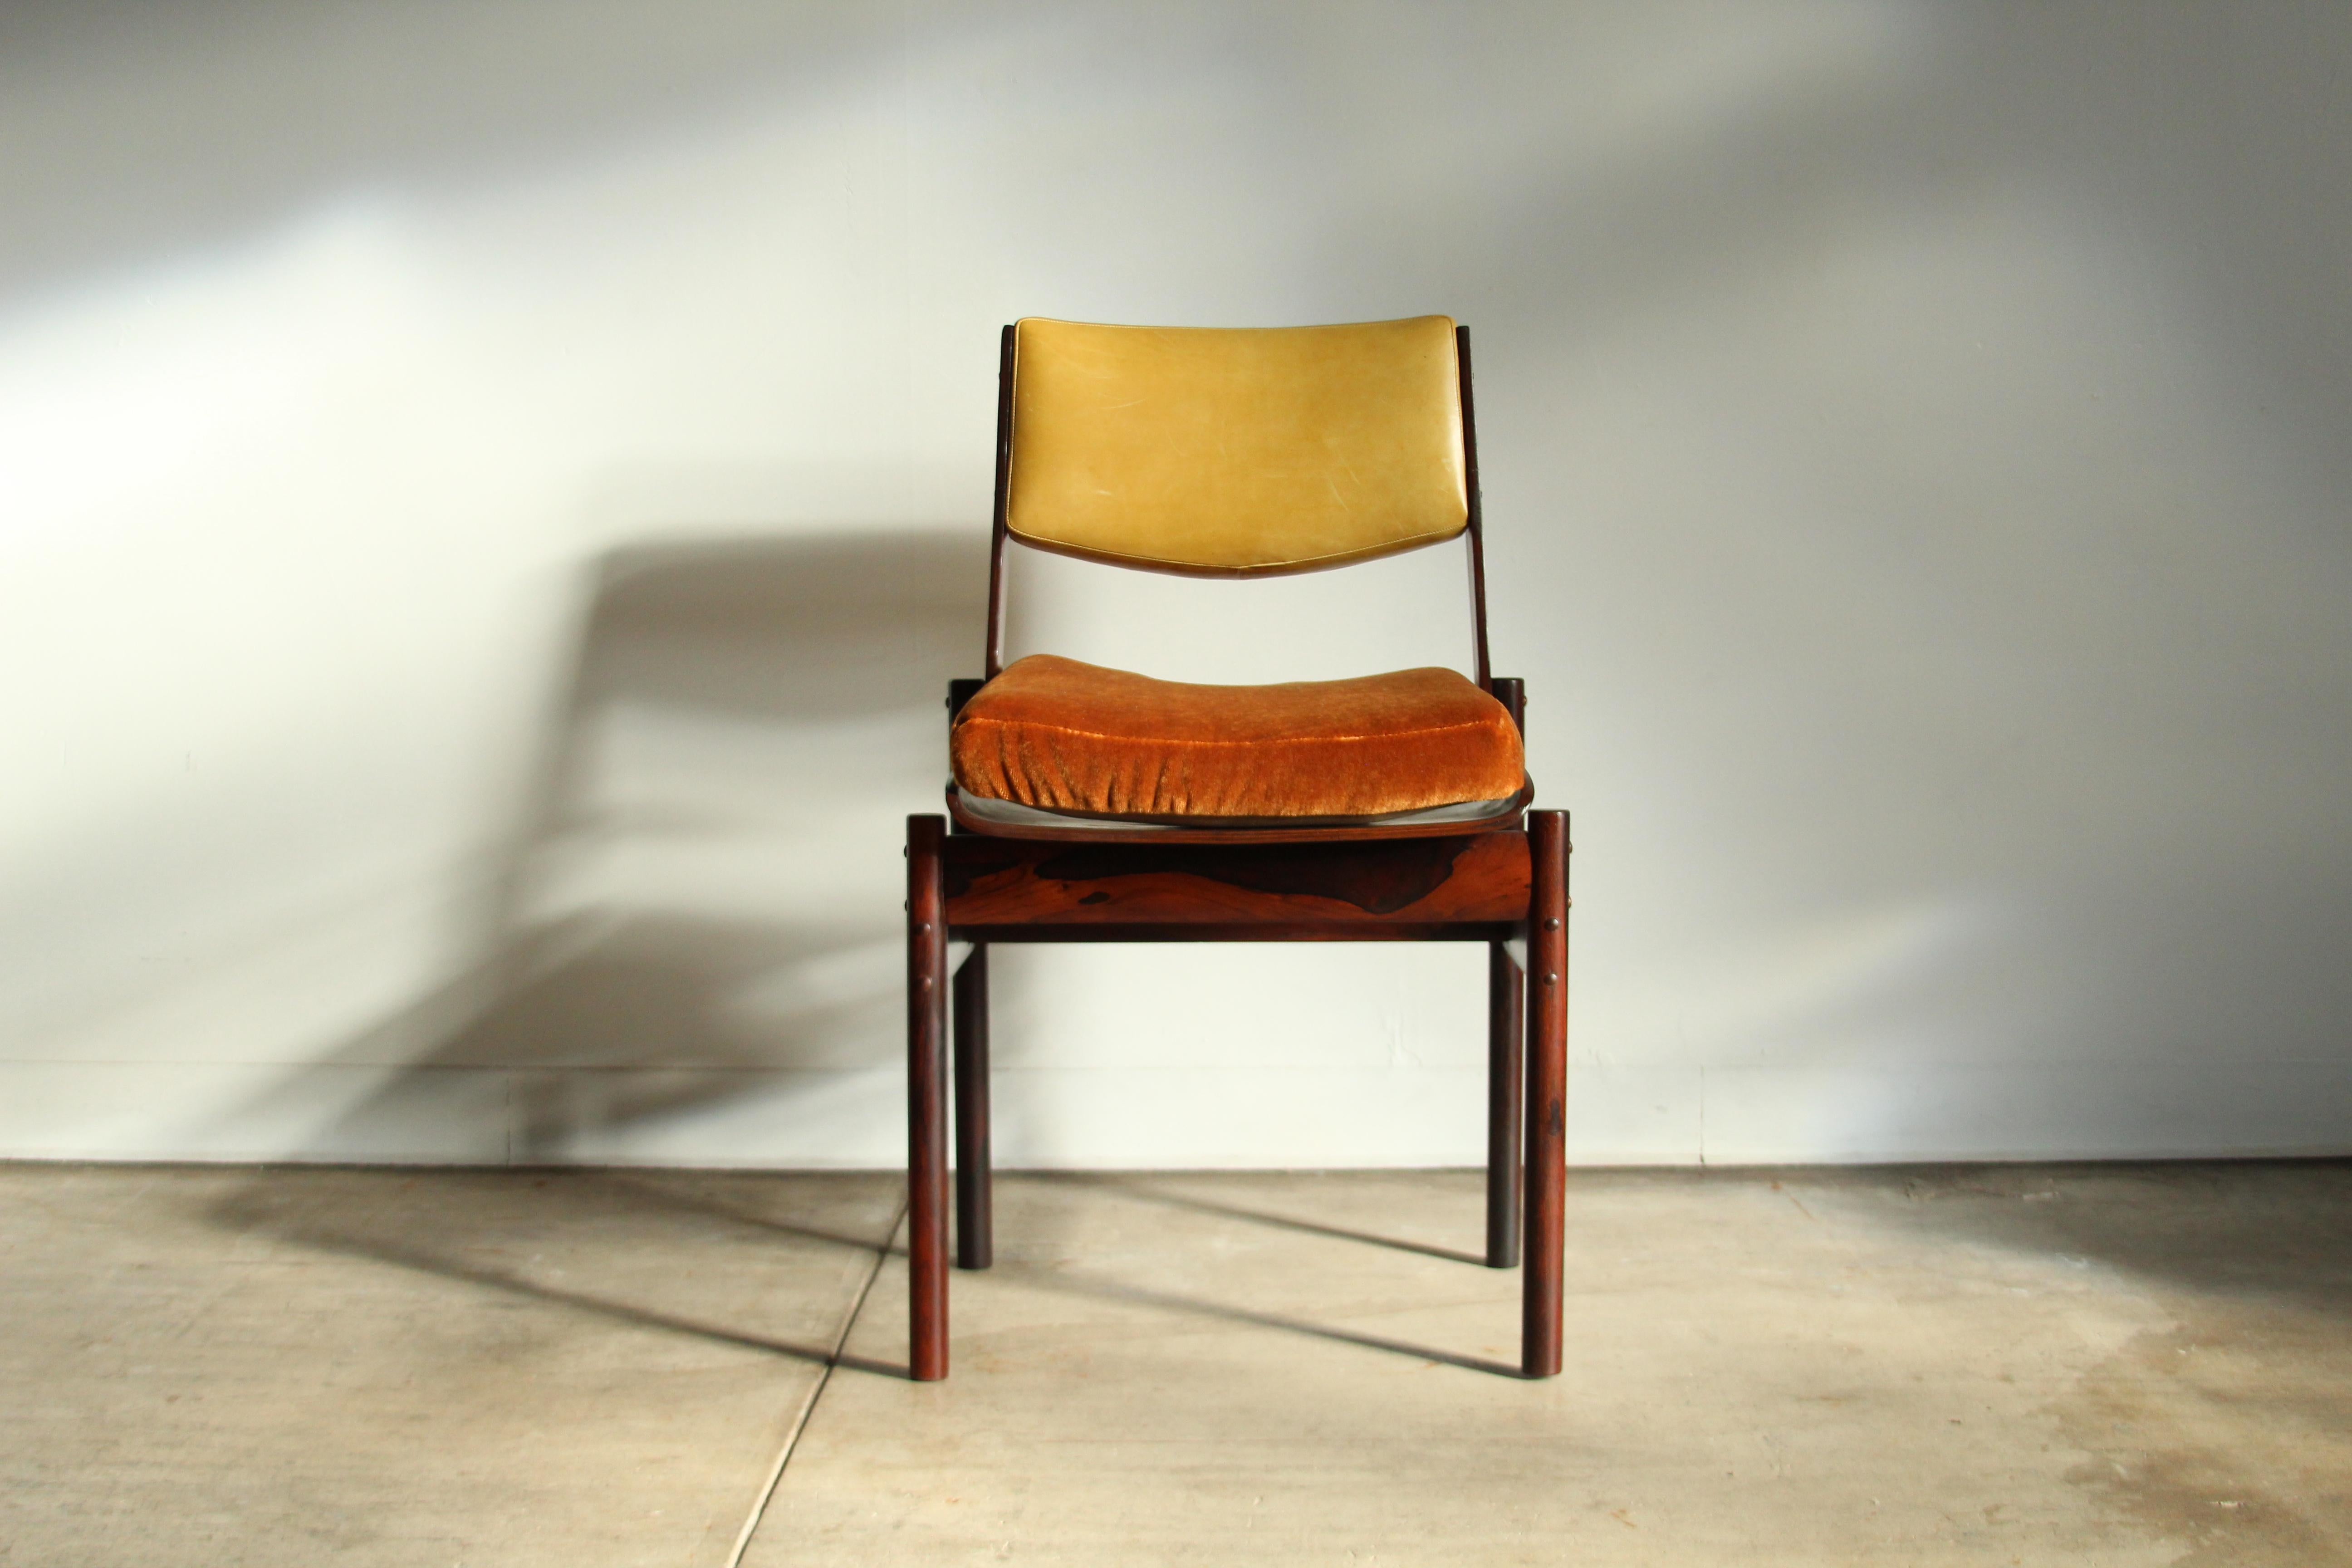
x: 2126, y: 1365
x: 377, y: 1367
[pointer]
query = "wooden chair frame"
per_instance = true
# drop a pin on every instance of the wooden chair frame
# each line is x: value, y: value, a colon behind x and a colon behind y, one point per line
x: 1505, y: 885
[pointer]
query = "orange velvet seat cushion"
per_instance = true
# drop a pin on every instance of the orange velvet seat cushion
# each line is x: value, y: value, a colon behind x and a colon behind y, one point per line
x: 1065, y: 736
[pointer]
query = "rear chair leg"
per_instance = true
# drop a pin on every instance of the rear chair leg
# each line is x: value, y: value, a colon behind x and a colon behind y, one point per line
x: 975, y: 1231
x: 1505, y: 993
x: 926, y: 1098
x: 1546, y: 1108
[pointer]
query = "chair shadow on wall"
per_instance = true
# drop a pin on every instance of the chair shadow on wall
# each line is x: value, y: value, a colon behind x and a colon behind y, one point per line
x: 647, y: 948
x: 693, y: 891
x: 675, y: 925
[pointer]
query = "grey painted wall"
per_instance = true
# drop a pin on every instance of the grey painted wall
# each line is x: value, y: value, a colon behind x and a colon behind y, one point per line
x: 491, y: 495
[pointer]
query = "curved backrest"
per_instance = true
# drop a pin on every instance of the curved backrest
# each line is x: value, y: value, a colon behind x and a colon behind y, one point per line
x: 1235, y: 452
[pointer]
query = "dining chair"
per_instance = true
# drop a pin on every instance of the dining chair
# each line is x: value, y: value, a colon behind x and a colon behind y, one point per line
x: 1095, y: 804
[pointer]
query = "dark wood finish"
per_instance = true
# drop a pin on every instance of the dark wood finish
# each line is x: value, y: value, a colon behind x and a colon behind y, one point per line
x: 1505, y: 993
x: 1547, y: 1146
x: 961, y: 691
x: 926, y: 1098
x: 996, y: 584
x: 1475, y: 525
x: 996, y: 883
x: 974, y: 1223
x: 1512, y: 693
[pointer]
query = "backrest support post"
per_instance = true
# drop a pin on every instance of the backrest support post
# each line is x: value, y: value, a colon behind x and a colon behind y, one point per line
x: 1476, y: 534
x: 996, y: 583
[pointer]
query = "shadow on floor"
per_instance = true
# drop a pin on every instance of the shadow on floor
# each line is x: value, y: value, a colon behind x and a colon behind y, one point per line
x: 1062, y: 1283
x: 546, y: 1235
x: 1147, y: 1191
x: 1158, y: 1193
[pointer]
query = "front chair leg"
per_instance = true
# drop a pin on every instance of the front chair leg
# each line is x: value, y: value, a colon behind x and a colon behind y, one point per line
x: 975, y: 1239
x: 1546, y: 1108
x: 926, y: 1098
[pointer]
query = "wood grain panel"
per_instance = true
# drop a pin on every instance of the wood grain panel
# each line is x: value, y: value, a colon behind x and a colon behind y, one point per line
x: 1400, y: 888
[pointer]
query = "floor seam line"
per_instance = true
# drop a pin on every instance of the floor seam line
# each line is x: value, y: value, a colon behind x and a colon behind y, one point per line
x: 816, y: 1391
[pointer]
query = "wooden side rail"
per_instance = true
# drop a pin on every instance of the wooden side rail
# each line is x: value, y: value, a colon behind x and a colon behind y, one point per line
x: 1468, y: 888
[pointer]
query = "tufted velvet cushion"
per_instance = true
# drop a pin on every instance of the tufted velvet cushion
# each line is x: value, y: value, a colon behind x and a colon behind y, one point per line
x: 1065, y: 736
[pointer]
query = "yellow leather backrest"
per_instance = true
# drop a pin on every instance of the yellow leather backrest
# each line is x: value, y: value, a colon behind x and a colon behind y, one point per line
x: 1235, y: 451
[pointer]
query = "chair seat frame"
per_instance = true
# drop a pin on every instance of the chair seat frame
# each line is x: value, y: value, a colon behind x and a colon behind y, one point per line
x: 1505, y: 885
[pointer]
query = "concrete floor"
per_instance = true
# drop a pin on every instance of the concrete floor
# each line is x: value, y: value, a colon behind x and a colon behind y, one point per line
x: 2081, y: 1365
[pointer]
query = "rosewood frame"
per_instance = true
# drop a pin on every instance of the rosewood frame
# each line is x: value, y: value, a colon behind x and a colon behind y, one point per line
x: 1502, y: 882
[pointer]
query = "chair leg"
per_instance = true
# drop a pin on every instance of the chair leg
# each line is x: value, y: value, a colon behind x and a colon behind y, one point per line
x: 926, y: 1098
x: 975, y: 1233
x: 1547, y: 1107
x: 1506, y: 991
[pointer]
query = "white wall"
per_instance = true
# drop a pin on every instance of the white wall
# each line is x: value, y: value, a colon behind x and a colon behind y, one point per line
x: 491, y: 495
